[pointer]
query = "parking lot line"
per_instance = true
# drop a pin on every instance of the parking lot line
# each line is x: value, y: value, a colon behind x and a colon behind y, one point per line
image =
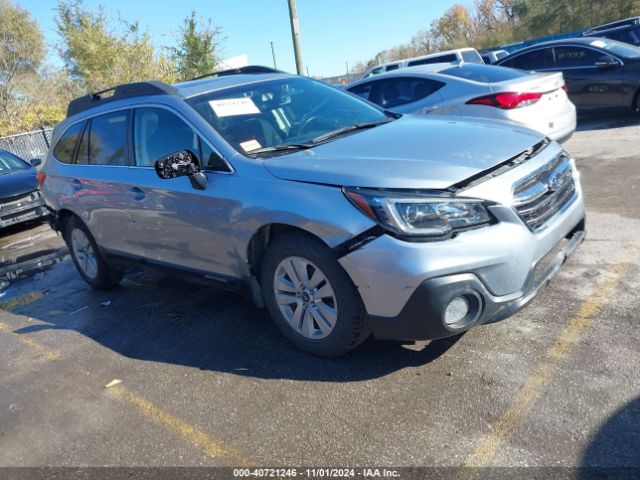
x: 30, y: 342
x: 537, y: 383
x: 214, y: 448
x: 25, y: 299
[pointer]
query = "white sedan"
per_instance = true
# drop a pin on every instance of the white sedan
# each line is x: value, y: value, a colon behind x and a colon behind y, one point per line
x: 538, y: 101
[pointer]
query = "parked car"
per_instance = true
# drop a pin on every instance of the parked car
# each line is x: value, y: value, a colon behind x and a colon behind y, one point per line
x: 537, y: 101
x: 460, y: 55
x: 341, y: 218
x: 601, y: 74
x: 20, y: 199
x: 492, y: 56
x: 627, y: 31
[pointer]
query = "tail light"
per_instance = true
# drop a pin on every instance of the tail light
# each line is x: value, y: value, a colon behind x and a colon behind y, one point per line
x: 565, y: 88
x: 507, y: 100
x: 41, y: 176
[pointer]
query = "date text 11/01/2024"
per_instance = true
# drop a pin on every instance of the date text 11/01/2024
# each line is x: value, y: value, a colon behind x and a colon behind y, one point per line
x: 316, y: 473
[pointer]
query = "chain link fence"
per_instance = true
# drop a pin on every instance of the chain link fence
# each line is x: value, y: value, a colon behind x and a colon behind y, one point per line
x: 28, y: 145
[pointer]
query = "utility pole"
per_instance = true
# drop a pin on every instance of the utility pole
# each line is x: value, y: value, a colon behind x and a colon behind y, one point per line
x: 295, y: 35
x: 273, y: 54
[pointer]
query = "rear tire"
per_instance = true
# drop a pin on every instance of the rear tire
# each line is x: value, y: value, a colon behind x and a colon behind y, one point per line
x: 87, y: 257
x: 311, y: 298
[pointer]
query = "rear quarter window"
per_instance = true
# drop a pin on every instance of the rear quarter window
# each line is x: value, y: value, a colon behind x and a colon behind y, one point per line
x: 66, y: 145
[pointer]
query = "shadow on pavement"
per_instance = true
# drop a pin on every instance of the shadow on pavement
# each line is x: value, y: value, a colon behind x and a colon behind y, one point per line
x: 601, y: 122
x: 165, y: 320
x: 614, y: 451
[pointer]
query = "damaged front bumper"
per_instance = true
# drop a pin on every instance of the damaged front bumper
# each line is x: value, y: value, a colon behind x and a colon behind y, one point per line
x: 21, y: 208
x: 422, y: 317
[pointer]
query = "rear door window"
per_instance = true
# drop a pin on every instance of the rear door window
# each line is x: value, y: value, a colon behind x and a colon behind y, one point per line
x: 402, y: 90
x: 66, y: 146
x: 108, y: 139
x: 534, y: 60
x: 571, y: 57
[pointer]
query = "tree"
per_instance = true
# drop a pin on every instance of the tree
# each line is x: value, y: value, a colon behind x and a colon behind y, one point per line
x: 99, y: 56
x: 21, y: 54
x: 455, y: 28
x: 544, y: 17
x: 198, y: 48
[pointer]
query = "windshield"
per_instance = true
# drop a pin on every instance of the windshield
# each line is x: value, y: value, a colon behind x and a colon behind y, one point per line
x: 619, y: 49
x: 484, y: 73
x: 282, y: 112
x: 10, y: 163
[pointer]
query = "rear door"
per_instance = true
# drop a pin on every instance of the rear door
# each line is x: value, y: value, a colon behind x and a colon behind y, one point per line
x: 177, y: 225
x: 91, y: 179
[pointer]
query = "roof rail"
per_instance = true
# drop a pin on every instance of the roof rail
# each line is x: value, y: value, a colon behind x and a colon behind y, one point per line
x: 249, y: 69
x: 118, y: 92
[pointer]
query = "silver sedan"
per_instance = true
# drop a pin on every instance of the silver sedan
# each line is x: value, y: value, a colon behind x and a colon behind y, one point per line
x: 537, y: 101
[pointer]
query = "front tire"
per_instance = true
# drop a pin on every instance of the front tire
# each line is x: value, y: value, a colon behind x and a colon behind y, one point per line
x: 87, y: 257
x: 311, y: 298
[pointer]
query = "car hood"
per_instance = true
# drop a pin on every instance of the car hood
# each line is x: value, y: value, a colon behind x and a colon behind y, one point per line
x: 17, y: 183
x: 413, y: 152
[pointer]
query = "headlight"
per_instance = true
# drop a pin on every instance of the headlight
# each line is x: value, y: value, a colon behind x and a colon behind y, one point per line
x: 419, y: 215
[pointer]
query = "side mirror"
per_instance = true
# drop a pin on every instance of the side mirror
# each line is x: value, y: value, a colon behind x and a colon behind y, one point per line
x: 35, y: 162
x: 182, y: 164
x: 607, y: 62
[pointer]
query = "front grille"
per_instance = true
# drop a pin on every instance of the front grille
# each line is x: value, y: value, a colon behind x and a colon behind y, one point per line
x: 538, y: 197
x: 19, y: 200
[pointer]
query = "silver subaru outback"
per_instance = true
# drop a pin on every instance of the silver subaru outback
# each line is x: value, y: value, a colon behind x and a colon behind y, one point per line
x: 341, y: 218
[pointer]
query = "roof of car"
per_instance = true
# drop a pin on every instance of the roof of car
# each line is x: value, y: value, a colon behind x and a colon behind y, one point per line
x: 620, y: 24
x: 196, y: 87
x: 206, y: 83
x: 418, y: 69
x: 587, y: 41
x: 432, y: 68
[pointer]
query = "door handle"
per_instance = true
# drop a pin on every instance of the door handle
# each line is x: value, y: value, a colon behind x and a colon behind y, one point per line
x: 431, y: 109
x: 76, y: 184
x: 137, y: 193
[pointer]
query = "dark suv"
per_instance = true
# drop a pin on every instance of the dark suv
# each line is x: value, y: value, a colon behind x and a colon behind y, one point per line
x: 627, y: 31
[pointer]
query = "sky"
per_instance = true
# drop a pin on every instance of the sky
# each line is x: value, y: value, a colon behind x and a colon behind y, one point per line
x: 332, y: 32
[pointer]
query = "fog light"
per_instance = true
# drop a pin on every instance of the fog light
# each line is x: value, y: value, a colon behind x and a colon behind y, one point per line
x: 456, y: 310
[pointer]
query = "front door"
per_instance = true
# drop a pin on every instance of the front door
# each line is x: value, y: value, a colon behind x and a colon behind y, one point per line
x: 177, y: 225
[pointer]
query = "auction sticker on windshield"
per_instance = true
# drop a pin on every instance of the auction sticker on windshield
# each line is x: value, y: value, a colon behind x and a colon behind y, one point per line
x: 250, y: 145
x: 233, y: 106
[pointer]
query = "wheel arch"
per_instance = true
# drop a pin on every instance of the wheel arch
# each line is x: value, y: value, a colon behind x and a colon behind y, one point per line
x: 62, y: 219
x: 264, y: 236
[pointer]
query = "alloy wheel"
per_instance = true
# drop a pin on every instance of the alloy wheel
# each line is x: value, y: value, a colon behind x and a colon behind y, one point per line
x: 305, y: 297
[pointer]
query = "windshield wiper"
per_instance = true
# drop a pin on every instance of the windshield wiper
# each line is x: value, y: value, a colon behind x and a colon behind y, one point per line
x: 281, y: 148
x: 350, y: 128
